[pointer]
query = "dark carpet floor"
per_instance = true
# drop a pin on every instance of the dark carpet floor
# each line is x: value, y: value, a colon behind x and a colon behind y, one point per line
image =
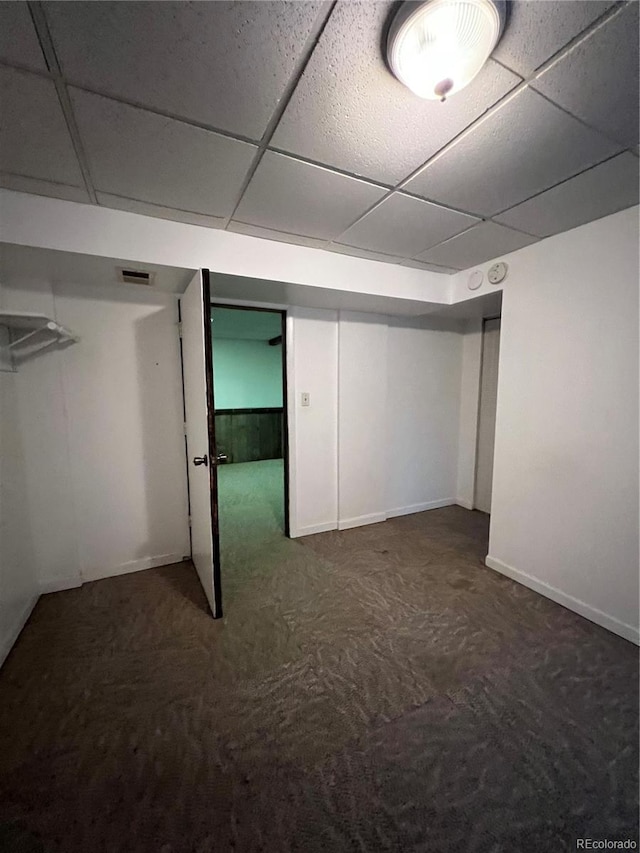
x: 377, y: 689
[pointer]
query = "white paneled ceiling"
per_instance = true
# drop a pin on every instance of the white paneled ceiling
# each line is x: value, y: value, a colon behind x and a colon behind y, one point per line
x: 538, y: 30
x: 136, y: 153
x: 282, y: 120
x: 526, y: 146
x: 301, y: 198
x: 607, y: 188
x: 223, y: 65
x: 597, y: 80
x: 19, y: 42
x: 404, y: 226
x: 477, y: 245
x: 34, y: 137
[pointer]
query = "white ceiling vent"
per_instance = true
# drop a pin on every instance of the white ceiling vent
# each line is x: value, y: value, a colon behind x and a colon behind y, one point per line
x: 129, y: 276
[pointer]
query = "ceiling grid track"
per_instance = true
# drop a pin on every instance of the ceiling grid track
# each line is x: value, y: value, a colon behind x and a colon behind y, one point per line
x: 321, y: 22
x: 46, y: 43
x: 201, y: 125
x: 559, y: 184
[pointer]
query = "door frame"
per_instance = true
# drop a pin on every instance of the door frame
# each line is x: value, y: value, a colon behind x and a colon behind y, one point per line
x: 211, y: 430
x: 285, y: 395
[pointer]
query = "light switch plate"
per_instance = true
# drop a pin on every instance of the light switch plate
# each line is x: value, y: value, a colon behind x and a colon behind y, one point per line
x: 305, y: 399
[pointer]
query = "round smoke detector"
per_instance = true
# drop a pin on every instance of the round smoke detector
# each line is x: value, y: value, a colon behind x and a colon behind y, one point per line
x: 437, y: 47
x: 475, y: 280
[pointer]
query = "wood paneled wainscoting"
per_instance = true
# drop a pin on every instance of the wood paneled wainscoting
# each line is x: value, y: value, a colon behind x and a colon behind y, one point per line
x: 247, y: 435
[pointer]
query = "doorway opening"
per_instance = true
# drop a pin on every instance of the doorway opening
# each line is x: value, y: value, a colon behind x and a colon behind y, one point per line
x: 250, y: 424
x: 238, y: 480
x: 487, y: 414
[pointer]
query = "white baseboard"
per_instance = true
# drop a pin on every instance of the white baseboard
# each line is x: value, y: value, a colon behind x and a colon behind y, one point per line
x: 423, y: 507
x: 310, y: 529
x: 464, y: 503
x: 134, y: 566
x: 568, y: 601
x: 377, y: 517
x: 11, y: 635
x: 58, y: 584
x: 362, y: 520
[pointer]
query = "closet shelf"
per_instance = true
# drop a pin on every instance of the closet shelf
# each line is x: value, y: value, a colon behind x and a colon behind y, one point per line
x: 27, y: 334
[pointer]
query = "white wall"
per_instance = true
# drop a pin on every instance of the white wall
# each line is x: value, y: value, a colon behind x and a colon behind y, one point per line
x: 423, y: 399
x: 383, y: 417
x: 102, y: 424
x: 565, y: 488
x: 362, y: 419
x: 19, y: 588
x: 312, y: 354
x: 43, y: 416
x: 247, y: 374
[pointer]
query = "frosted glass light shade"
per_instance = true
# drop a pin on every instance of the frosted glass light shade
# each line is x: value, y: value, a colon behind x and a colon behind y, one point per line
x: 437, y: 47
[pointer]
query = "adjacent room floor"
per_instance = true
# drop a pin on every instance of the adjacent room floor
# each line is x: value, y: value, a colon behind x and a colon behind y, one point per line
x: 377, y: 689
x: 251, y: 514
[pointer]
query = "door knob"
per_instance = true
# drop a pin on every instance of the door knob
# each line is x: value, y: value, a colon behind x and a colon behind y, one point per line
x: 201, y: 460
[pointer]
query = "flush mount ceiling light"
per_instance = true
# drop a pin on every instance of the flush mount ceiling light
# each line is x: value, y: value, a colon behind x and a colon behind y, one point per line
x: 437, y: 47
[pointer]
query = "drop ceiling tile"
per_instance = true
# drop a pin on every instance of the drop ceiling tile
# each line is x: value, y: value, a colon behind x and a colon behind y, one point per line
x: 605, y: 189
x: 598, y: 80
x: 299, y: 198
x: 34, y: 139
x: 481, y: 243
x: 21, y: 184
x: 404, y: 226
x: 133, y: 206
x: 19, y: 43
x: 223, y: 64
x: 278, y: 236
x: 525, y: 147
x: 536, y: 30
x: 350, y: 112
x: 422, y: 265
x: 137, y: 154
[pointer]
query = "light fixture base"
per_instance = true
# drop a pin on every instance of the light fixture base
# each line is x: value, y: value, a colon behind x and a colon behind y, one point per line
x: 437, y: 47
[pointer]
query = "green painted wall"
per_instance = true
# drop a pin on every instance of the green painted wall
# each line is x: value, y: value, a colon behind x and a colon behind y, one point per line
x: 246, y: 374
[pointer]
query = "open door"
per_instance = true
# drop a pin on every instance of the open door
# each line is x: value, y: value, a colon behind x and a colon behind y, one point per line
x: 197, y: 370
